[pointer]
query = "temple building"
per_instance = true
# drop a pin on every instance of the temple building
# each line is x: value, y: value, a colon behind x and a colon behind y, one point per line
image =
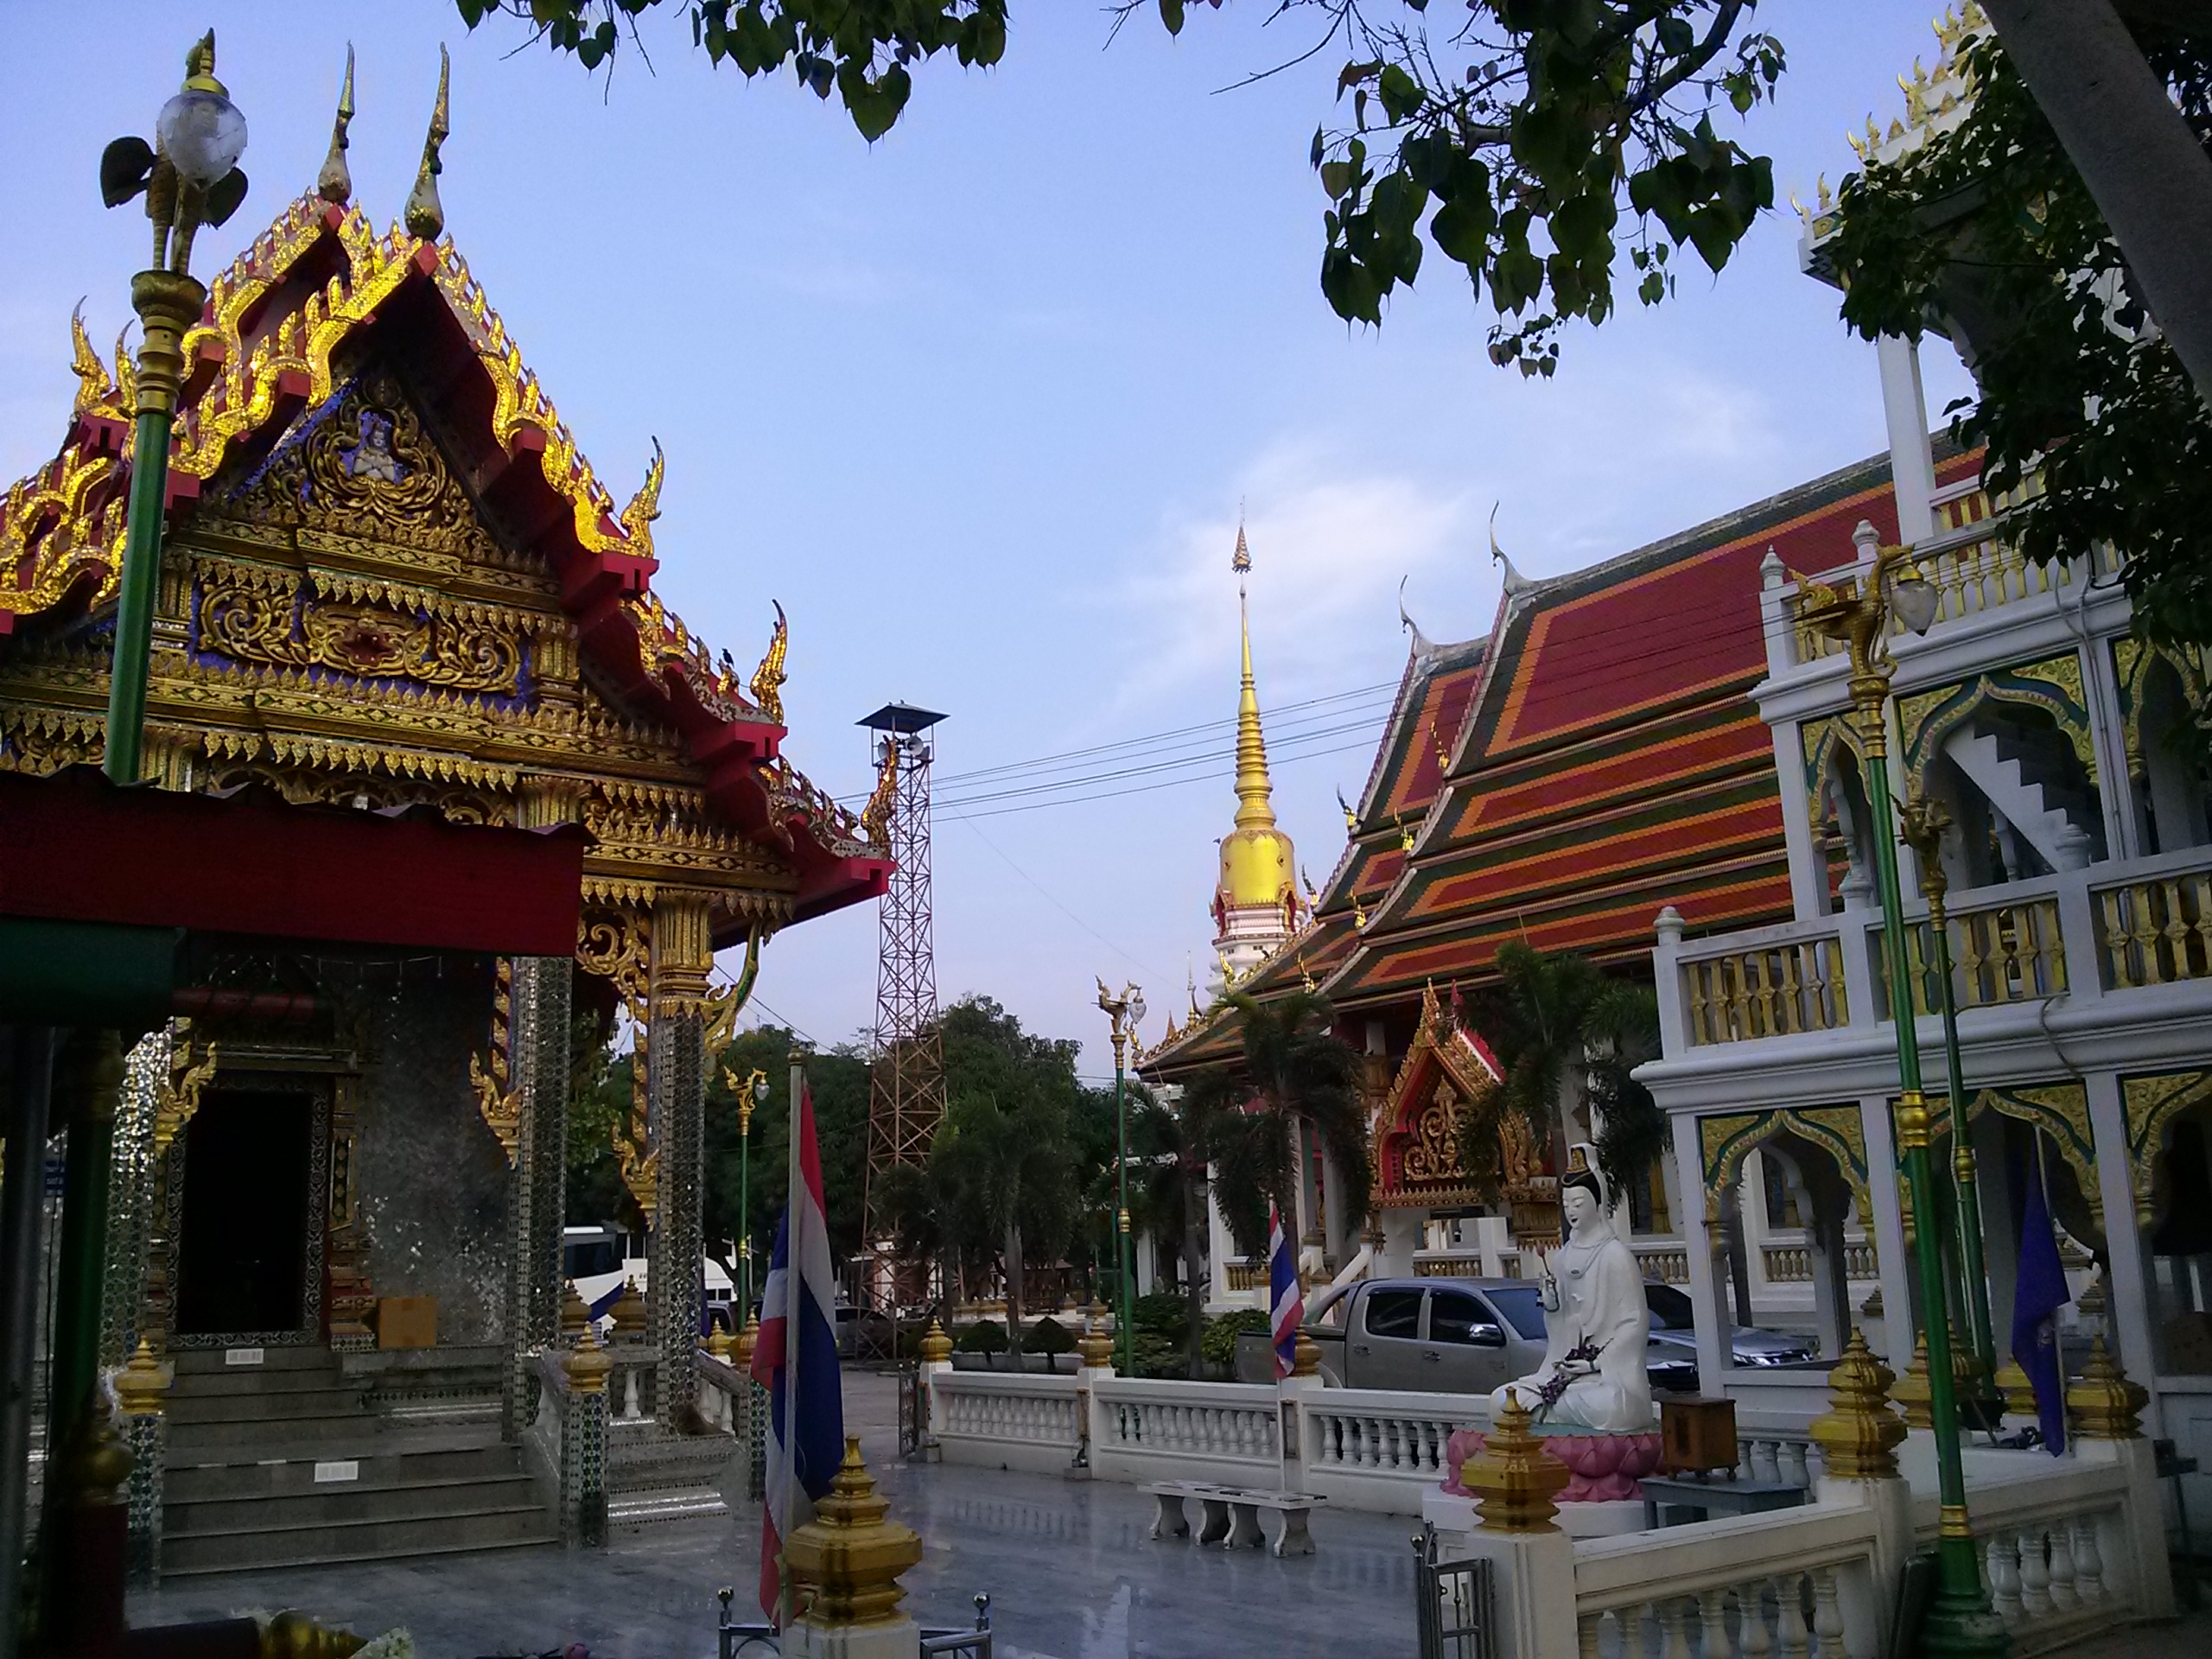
x: 1654, y: 763
x: 1255, y: 903
x: 393, y: 586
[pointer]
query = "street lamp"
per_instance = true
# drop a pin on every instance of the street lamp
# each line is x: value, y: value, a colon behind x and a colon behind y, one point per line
x: 1126, y: 1012
x: 1856, y: 613
x: 1922, y: 825
x: 753, y: 1093
x: 190, y: 177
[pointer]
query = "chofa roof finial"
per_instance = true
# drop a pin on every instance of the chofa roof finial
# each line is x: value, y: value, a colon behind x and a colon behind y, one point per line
x: 334, y: 184
x: 1515, y: 583
x: 426, y: 214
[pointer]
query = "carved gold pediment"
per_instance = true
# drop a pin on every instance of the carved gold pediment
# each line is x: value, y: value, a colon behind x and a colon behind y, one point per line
x: 363, y: 466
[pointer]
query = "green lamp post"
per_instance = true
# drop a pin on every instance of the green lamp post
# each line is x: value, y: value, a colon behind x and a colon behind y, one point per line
x: 1124, y: 1011
x: 1857, y: 613
x: 754, y: 1094
x: 190, y: 177
x: 1922, y: 826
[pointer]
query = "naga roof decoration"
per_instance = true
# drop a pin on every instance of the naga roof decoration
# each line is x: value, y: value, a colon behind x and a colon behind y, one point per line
x: 390, y: 564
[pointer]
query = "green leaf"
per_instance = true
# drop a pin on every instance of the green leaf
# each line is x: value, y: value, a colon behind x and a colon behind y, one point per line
x: 1400, y: 93
x: 1171, y: 14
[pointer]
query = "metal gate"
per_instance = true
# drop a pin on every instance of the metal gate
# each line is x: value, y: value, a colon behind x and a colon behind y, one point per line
x: 909, y: 1409
x: 1455, y: 1604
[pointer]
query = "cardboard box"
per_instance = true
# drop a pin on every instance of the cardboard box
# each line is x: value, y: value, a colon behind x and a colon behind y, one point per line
x: 407, y: 1321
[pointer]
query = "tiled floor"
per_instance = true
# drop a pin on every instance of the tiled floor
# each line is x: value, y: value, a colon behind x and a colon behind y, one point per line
x: 1070, y: 1572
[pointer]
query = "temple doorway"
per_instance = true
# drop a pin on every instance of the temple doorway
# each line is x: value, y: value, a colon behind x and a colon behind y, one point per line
x: 244, y: 1251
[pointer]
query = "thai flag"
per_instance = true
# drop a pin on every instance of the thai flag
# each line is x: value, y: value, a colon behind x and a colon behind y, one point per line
x: 1286, y: 1303
x: 806, y: 1436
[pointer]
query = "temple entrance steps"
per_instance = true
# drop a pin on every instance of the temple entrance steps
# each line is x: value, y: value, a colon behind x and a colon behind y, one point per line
x: 651, y: 1477
x: 290, y: 1463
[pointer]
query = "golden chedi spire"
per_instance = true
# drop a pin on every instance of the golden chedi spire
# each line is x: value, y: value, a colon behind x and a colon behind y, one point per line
x: 1257, y: 860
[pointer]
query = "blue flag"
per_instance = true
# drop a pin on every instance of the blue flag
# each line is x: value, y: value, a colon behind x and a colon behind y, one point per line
x: 2039, y: 1292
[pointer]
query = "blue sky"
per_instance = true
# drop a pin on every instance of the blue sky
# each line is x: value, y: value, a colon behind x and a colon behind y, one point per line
x: 979, y: 404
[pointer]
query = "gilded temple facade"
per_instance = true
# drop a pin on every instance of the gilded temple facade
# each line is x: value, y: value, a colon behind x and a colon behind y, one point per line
x: 393, y: 584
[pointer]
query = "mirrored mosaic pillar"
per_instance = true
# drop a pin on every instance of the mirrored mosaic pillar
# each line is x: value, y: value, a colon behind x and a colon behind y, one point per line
x: 677, y: 1079
x: 537, y: 993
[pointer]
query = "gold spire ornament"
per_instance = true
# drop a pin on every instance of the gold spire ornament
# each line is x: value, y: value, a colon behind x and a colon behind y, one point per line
x: 1910, y: 1391
x: 1859, y: 1434
x: 848, y: 1556
x: 767, y: 687
x: 1257, y: 860
x: 334, y: 184
x: 426, y: 214
x: 2105, y: 1404
x: 1515, y: 1479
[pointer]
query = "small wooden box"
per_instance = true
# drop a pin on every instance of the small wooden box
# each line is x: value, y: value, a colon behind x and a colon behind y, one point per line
x: 1697, y: 1434
x: 407, y: 1321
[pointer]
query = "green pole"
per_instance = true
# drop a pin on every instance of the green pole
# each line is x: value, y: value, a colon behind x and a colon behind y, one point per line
x: 1961, y: 1620
x: 168, y: 302
x: 1963, y: 1162
x: 1122, y: 1311
x: 134, y: 610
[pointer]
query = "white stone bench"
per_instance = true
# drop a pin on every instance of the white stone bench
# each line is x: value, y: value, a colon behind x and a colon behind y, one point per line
x: 1230, y: 1515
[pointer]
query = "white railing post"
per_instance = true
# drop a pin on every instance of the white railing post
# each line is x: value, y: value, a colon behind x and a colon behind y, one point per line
x: 2077, y: 933
x: 1667, y: 976
x: 1533, y: 1579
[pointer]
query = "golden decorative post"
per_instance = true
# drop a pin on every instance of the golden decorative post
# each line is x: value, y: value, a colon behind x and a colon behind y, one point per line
x: 2105, y: 1404
x: 1304, y: 1357
x: 1515, y: 1478
x: 1911, y: 1391
x: 628, y: 1313
x: 295, y: 1635
x: 1859, y: 1434
x: 847, y: 1560
x: 587, y: 1365
x: 2019, y: 1393
x: 747, y: 1339
x: 936, y: 1347
x: 575, y: 1315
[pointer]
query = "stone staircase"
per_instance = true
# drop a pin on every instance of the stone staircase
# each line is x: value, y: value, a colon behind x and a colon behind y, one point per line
x: 286, y: 1464
x: 652, y: 1478
x: 2055, y: 819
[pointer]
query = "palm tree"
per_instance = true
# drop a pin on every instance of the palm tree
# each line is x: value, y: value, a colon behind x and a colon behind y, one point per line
x: 1293, y: 1073
x: 1563, y: 1029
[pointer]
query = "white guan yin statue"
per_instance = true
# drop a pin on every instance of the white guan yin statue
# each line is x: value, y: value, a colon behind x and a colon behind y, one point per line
x: 1596, y: 1320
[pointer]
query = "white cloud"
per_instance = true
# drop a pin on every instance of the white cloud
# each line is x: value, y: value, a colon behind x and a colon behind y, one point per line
x: 1330, y: 543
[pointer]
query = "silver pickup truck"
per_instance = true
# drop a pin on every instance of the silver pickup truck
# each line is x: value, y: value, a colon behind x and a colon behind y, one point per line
x: 1469, y: 1336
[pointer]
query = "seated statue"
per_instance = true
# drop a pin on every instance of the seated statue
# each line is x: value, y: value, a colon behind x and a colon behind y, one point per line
x: 1596, y: 1321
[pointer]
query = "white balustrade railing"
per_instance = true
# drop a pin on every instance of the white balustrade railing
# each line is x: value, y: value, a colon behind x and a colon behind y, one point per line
x: 2054, y: 1547
x: 1796, y: 1584
x: 1015, y: 1421
x: 1379, y: 1449
x: 1144, y: 1431
x: 1786, y: 1460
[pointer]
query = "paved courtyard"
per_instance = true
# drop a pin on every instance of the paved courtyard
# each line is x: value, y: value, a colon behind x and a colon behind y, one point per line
x: 1070, y: 1572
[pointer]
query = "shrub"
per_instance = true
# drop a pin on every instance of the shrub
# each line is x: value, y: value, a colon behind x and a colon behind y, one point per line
x: 984, y: 1337
x: 1164, y: 1314
x: 1048, y: 1337
x: 1217, y: 1342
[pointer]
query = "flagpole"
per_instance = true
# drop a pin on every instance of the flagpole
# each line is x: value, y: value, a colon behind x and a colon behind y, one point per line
x: 794, y: 1293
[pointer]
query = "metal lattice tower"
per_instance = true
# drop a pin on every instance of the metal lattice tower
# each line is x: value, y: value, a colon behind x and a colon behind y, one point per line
x: 906, y: 1080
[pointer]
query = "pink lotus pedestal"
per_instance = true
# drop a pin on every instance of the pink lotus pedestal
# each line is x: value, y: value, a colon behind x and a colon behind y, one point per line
x: 1603, y: 1494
